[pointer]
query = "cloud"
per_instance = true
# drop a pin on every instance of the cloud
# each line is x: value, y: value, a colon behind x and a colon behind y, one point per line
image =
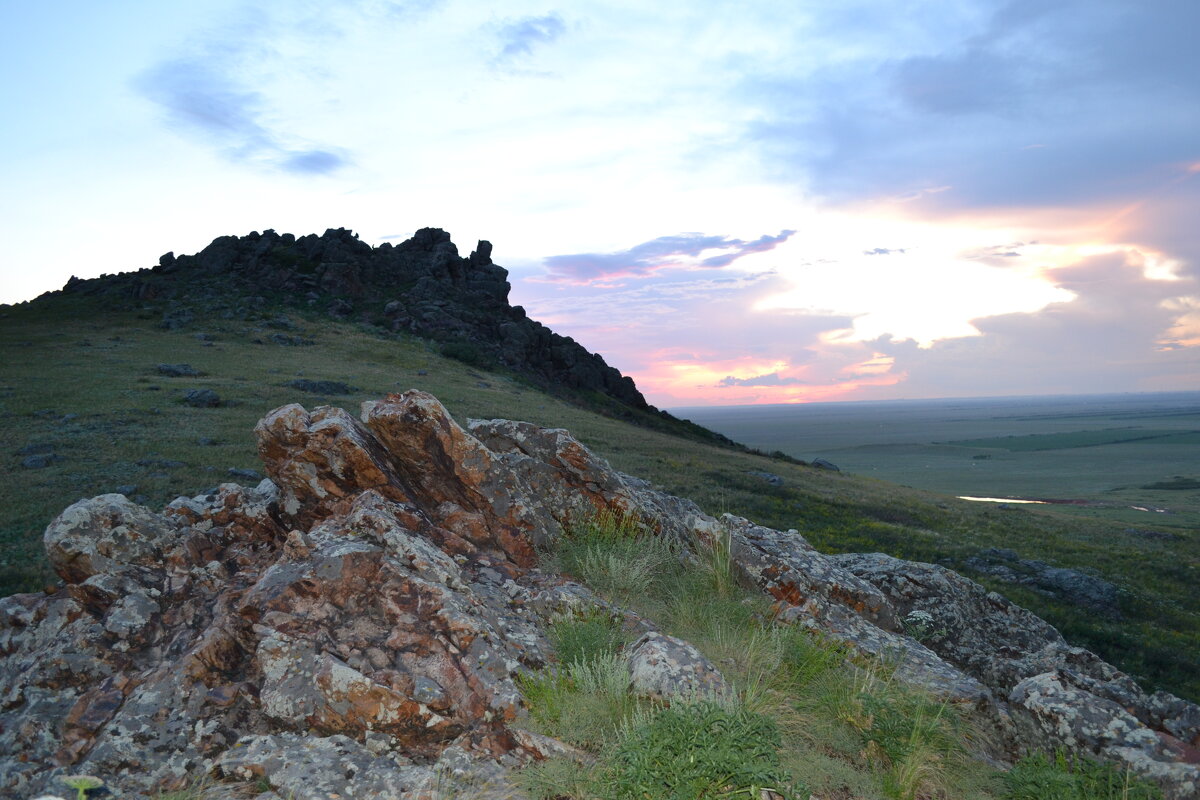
x: 770, y: 379
x: 519, y: 37
x: 1104, y: 88
x: 665, y: 252
x: 1122, y: 332
x: 884, y: 251
x: 204, y: 96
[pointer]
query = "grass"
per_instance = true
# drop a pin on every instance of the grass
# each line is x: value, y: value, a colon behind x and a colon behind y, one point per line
x: 789, y: 685
x: 806, y: 716
x: 1040, y: 777
x: 81, y: 380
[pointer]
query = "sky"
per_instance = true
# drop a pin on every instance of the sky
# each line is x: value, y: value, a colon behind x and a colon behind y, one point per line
x: 734, y: 203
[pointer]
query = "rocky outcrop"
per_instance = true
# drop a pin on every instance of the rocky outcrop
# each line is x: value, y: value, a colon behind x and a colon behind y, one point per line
x: 355, y: 624
x: 1068, y: 585
x: 420, y: 286
x: 1057, y: 695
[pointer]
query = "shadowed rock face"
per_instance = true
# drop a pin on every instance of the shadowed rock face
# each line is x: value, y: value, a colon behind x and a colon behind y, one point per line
x: 419, y: 286
x: 354, y: 624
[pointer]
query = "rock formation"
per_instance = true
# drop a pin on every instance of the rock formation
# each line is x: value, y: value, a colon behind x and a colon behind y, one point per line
x: 353, y: 625
x: 420, y: 286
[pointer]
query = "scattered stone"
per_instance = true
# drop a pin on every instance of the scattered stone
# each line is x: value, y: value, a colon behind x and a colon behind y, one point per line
x: 280, y: 323
x: 202, y: 398
x: 821, y: 463
x: 248, y: 474
x: 321, y: 387
x: 665, y: 667
x: 289, y: 341
x: 205, y: 441
x: 37, y: 449
x: 205, y: 337
x: 126, y: 489
x: 39, y: 461
x: 179, y: 370
x: 769, y: 477
x: 176, y: 319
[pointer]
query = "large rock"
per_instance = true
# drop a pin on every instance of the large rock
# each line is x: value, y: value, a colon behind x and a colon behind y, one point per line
x: 106, y: 534
x: 1059, y: 695
x: 669, y: 668
x: 355, y: 624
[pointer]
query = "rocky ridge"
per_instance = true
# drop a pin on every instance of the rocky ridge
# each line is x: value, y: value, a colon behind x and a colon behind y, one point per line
x: 420, y: 286
x: 353, y: 626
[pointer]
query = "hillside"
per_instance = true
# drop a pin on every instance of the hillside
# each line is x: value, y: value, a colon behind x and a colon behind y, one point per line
x: 154, y: 397
x: 408, y: 608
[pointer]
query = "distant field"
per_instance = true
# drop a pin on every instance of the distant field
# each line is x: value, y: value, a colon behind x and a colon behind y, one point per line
x: 1067, y: 441
x: 1135, y: 458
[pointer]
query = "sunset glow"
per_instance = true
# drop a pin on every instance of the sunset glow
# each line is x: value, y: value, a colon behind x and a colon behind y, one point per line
x: 905, y: 206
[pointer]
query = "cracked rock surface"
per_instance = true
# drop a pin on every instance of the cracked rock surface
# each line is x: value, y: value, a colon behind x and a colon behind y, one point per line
x: 354, y: 625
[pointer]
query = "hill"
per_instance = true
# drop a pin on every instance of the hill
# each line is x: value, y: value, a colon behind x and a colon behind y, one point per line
x: 408, y: 608
x: 94, y: 398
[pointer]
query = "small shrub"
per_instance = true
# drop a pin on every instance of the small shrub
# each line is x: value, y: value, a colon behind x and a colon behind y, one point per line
x: 919, y: 626
x: 466, y: 352
x: 700, y: 751
x: 614, y: 555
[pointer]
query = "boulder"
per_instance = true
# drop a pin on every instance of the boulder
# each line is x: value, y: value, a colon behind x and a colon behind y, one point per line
x: 202, y: 398
x: 1068, y: 585
x: 178, y: 370
x: 320, y: 387
x: 668, y: 668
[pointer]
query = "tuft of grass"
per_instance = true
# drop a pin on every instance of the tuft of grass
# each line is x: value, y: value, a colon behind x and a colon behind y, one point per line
x: 1039, y: 777
x: 584, y: 703
x: 615, y: 555
x: 700, y: 750
x: 592, y: 635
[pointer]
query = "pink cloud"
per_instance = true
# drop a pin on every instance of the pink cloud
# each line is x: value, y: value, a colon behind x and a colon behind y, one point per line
x: 681, y: 251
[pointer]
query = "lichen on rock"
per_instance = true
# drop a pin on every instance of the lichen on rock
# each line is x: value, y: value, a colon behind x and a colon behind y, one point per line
x: 355, y: 624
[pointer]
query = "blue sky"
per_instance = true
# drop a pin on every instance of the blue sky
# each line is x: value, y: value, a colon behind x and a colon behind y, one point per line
x: 734, y: 203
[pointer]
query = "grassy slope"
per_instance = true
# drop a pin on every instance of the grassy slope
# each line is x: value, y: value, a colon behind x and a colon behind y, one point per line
x: 63, y: 357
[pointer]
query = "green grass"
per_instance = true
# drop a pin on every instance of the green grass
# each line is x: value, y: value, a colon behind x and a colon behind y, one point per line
x: 82, y: 379
x: 1061, y: 778
x: 800, y: 701
x: 806, y: 715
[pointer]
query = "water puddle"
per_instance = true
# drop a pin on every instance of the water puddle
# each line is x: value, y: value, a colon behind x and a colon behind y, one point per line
x: 1003, y: 500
